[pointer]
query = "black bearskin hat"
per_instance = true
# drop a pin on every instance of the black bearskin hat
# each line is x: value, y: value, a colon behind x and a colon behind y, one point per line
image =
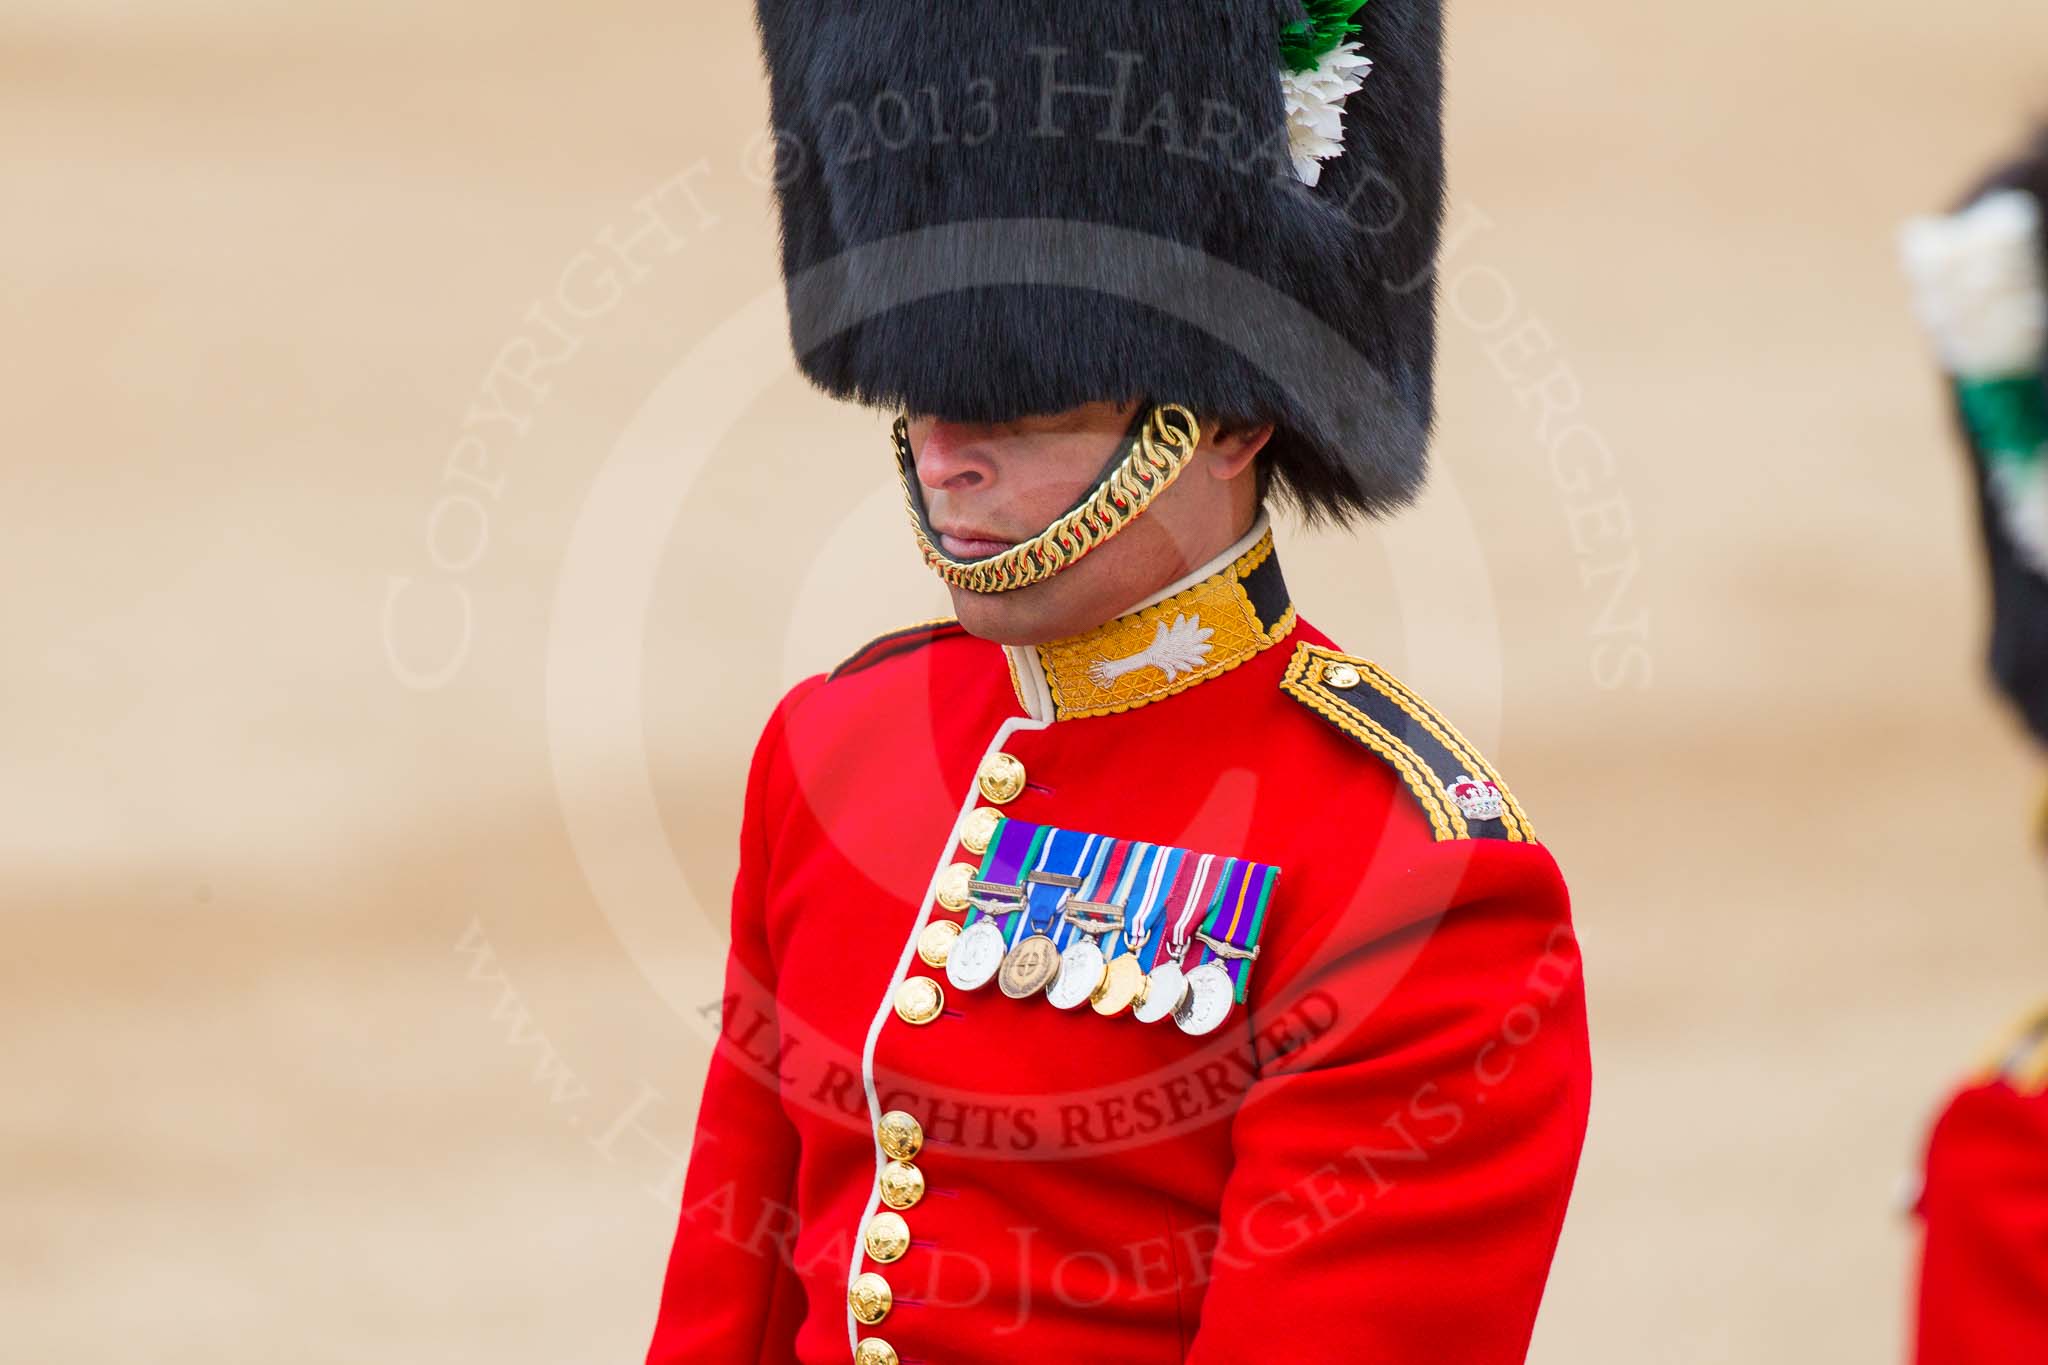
x: 2018, y: 572
x: 991, y: 211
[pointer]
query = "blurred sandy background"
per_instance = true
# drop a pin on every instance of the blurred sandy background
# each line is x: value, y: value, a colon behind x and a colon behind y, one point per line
x: 410, y: 514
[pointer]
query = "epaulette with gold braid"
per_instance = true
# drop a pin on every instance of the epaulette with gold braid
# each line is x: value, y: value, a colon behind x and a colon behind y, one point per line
x: 1458, y: 789
x: 894, y: 643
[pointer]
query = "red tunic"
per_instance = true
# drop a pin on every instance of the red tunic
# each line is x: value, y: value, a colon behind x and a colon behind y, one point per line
x: 1369, y: 1161
x: 1984, y: 1266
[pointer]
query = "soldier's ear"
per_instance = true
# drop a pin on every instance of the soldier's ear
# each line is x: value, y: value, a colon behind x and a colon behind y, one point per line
x: 1235, y: 445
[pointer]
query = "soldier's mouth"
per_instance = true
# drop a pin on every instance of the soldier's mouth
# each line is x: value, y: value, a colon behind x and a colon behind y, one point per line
x: 972, y: 544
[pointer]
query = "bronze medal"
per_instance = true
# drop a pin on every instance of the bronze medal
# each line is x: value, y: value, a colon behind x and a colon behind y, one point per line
x: 1029, y: 967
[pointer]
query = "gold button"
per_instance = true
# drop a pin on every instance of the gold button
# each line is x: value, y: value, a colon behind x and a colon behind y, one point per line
x: 1340, y: 676
x: 979, y: 829
x: 935, y: 942
x: 887, y: 1237
x: 902, y: 1184
x: 870, y: 1298
x: 901, y: 1136
x: 919, y: 1000
x: 874, y: 1351
x: 1001, y: 778
x: 952, y: 887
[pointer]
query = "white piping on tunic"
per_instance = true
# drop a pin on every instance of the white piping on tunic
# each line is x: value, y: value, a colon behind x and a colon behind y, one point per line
x: 867, y: 1057
x: 1037, y: 700
x: 1031, y: 681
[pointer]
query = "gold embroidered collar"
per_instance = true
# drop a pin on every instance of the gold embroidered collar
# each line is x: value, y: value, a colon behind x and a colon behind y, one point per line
x: 1208, y: 623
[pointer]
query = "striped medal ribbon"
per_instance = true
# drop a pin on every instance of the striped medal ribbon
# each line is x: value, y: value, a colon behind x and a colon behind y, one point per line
x: 1123, y: 980
x: 1033, y: 959
x: 1229, y: 938
x: 1085, y: 920
x: 996, y: 900
x: 1165, y: 983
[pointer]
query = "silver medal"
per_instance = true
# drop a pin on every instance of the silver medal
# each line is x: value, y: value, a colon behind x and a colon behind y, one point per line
x: 1164, y: 989
x: 1081, y: 969
x: 976, y: 957
x: 1209, y: 998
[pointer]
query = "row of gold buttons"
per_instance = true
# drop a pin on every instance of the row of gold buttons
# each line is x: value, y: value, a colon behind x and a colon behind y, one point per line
x: 919, y: 1000
x: 887, y: 1236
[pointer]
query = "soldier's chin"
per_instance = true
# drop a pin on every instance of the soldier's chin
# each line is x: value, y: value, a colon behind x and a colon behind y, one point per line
x: 1070, y: 603
x: 1022, y: 616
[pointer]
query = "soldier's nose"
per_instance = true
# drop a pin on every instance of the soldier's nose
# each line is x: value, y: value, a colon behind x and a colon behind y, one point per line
x: 954, y: 457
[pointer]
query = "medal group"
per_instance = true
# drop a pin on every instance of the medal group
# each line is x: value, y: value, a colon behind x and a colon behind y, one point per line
x: 1116, y: 924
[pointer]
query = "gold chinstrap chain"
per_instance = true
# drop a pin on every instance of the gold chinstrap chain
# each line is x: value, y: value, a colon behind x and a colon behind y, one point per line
x: 1163, y: 448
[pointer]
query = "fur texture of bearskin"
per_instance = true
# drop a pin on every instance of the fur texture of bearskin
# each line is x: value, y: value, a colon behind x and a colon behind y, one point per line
x: 967, y: 234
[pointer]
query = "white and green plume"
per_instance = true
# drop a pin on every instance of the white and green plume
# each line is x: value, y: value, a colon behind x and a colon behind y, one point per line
x: 1978, y: 287
x: 1321, y: 65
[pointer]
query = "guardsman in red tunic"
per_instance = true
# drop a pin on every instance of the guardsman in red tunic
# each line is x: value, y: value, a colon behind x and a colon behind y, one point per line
x: 1121, y: 971
x: 1978, y: 281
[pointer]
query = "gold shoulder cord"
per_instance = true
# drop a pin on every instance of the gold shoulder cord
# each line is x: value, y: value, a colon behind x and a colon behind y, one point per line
x: 1156, y: 458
